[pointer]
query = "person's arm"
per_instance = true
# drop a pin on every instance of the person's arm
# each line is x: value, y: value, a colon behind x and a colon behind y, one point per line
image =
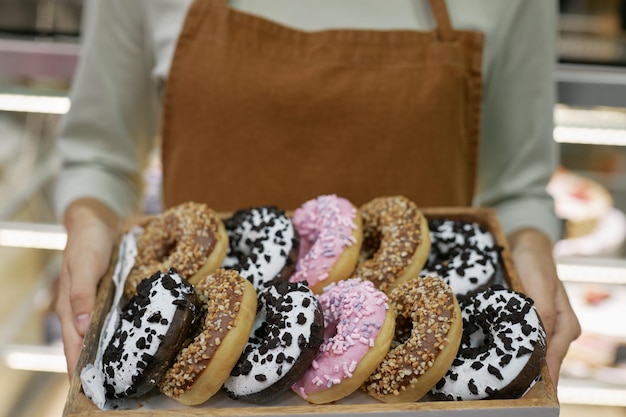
x: 518, y: 157
x: 105, y: 138
x: 103, y: 142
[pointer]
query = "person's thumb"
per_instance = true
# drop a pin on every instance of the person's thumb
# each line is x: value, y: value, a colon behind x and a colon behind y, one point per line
x: 84, y: 277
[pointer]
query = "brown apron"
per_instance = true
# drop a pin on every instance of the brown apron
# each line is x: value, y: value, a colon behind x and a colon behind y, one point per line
x: 257, y: 113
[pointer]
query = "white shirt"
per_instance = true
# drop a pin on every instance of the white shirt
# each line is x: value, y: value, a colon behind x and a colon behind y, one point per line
x: 128, y: 46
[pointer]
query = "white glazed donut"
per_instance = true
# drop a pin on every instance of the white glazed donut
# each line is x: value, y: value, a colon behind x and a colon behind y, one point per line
x: 502, y: 349
x: 152, y: 329
x: 263, y: 245
x: 287, y: 333
x: 463, y: 253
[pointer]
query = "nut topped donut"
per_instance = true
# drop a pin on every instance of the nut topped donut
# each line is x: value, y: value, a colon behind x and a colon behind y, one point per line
x: 229, y: 304
x: 287, y: 334
x: 262, y: 245
x: 396, y: 242
x: 358, y: 329
x: 189, y: 237
x: 464, y: 254
x: 502, y: 350
x: 330, y: 239
x: 152, y: 328
x: 428, y: 334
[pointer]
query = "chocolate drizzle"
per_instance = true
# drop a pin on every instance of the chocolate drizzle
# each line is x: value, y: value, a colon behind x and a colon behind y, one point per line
x: 183, y: 237
x: 220, y: 295
x: 391, y: 236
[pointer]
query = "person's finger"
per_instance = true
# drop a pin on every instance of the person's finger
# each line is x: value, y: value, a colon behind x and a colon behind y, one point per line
x: 84, y: 272
x: 82, y: 294
x: 72, y: 340
x: 567, y: 329
x: 72, y: 345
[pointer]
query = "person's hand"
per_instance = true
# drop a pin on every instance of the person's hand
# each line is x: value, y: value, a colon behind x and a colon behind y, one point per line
x: 532, y: 255
x: 91, y: 231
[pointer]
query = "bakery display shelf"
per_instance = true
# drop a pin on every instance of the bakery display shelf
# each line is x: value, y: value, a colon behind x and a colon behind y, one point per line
x: 29, y: 355
x: 594, y: 369
x: 541, y: 400
x: 601, y: 270
x: 586, y: 392
x: 39, y: 57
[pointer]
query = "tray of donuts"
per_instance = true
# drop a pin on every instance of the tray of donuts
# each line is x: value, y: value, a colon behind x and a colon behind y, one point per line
x: 386, y: 308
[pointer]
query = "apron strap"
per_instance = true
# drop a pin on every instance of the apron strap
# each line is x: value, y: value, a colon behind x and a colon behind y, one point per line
x: 445, y: 32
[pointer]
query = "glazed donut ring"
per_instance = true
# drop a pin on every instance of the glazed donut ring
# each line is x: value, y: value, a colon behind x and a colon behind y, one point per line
x: 396, y: 242
x: 153, y: 327
x: 189, y: 237
x: 201, y: 367
x: 287, y: 334
x: 262, y: 245
x: 428, y: 333
x: 359, y: 327
x: 330, y: 240
x: 502, y: 350
x: 464, y: 254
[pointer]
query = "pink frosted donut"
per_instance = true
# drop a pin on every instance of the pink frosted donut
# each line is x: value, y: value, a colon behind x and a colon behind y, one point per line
x: 331, y: 234
x: 358, y: 330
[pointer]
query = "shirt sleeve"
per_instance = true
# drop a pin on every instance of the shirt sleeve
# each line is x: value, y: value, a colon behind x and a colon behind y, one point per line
x: 517, y: 153
x: 106, y: 137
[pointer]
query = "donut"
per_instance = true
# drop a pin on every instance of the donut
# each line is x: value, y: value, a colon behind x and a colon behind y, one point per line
x: 330, y: 239
x: 286, y: 336
x: 428, y: 333
x: 463, y: 253
x: 189, y: 237
x: 396, y: 242
x: 262, y: 245
x: 502, y: 349
x: 358, y: 330
x: 152, y: 328
x: 201, y: 367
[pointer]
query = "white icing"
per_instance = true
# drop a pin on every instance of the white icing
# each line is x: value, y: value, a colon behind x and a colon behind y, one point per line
x: 144, y: 338
x: 91, y: 376
x: 463, y: 254
x: 462, y: 374
x: 465, y: 275
x: 243, y: 385
x: 264, y: 260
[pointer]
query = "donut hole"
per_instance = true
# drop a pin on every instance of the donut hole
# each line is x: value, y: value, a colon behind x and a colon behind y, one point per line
x: 370, y: 246
x: 330, y: 329
x: 164, y: 253
x: 477, y: 338
x: 403, y: 331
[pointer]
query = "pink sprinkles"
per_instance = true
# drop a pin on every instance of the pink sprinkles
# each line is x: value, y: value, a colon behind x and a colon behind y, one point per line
x: 354, y: 311
x: 325, y: 226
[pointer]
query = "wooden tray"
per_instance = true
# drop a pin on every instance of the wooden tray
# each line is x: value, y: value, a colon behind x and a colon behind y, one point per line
x: 540, y: 401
